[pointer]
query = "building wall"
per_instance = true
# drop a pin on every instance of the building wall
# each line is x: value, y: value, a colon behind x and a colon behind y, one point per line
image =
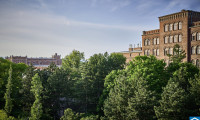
x: 38, y: 62
x: 190, y: 23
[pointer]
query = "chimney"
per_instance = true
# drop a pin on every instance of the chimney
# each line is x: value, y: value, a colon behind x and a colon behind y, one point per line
x: 130, y: 47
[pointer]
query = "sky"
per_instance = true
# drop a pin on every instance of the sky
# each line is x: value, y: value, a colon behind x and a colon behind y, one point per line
x: 40, y: 28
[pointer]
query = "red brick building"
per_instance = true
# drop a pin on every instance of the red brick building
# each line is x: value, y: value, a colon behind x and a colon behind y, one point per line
x: 181, y: 28
x: 39, y: 63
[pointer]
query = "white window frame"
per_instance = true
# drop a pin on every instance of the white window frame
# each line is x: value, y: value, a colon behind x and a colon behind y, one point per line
x: 158, y: 41
x: 171, y: 39
x: 175, y: 38
x: 166, y: 39
x: 157, y: 52
x: 180, y: 25
x: 166, y: 28
x: 179, y: 38
x: 175, y: 26
x: 198, y: 49
x: 170, y: 27
x: 193, y: 50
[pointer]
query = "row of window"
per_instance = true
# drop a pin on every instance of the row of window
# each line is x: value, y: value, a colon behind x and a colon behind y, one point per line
x: 195, y: 36
x: 155, y: 41
x: 155, y: 52
x: 173, y: 39
x: 195, y: 50
x: 196, y: 62
x: 170, y: 51
x: 173, y: 26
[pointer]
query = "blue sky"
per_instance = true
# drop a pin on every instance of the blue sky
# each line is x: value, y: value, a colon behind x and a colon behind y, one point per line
x: 40, y: 28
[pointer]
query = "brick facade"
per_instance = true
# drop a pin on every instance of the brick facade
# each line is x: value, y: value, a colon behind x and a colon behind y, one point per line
x: 181, y: 28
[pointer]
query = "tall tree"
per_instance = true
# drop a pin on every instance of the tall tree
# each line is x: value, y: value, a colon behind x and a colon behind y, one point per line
x: 27, y: 95
x: 140, y: 106
x: 36, y: 88
x: 178, y: 54
x: 150, y: 69
x: 8, y: 106
x: 59, y: 91
x: 73, y: 60
x: 115, y: 106
x: 177, y: 102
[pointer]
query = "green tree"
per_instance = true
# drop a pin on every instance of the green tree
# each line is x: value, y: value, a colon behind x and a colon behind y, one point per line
x: 140, y: 106
x: 178, y: 55
x: 36, y: 88
x: 8, y: 106
x: 59, y: 91
x: 172, y: 104
x: 27, y: 95
x: 177, y: 101
x: 150, y: 69
x: 70, y: 115
x: 195, y: 89
x: 115, y: 106
x: 73, y: 60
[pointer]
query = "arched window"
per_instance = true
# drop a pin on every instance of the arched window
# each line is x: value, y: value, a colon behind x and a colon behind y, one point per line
x: 170, y: 51
x: 148, y: 53
x: 193, y: 50
x: 154, y: 41
x: 166, y: 51
x: 154, y: 52
x: 170, y: 27
x: 193, y: 36
x: 166, y: 39
x: 166, y: 27
x: 148, y: 42
x: 175, y: 26
x: 180, y: 25
x: 145, y: 52
x: 198, y: 36
x: 158, y: 41
x: 171, y: 39
x: 158, y: 53
x: 198, y: 50
x: 193, y: 62
x: 179, y: 38
x: 197, y: 63
x: 176, y: 38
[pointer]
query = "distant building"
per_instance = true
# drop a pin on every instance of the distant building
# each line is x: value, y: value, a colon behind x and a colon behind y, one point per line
x: 39, y: 63
x: 132, y: 52
x: 181, y: 28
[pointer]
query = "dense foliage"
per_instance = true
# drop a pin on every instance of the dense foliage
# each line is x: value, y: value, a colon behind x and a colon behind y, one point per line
x: 101, y: 87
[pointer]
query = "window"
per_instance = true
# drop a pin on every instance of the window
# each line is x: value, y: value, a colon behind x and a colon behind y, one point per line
x: 171, y: 39
x: 148, y: 53
x: 170, y: 27
x: 193, y: 62
x: 154, y: 41
x: 170, y: 51
x: 197, y: 63
x: 166, y: 51
x: 193, y: 50
x: 157, y: 41
x: 198, y: 50
x: 176, y: 38
x: 166, y: 27
x: 166, y: 39
x: 193, y: 36
x: 154, y: 52
x: 180, y: 25
x: 179, y: 38
x: 158, y: 52
x: 175, y: 26
x: 148, y: 42
x: 198, y: 36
